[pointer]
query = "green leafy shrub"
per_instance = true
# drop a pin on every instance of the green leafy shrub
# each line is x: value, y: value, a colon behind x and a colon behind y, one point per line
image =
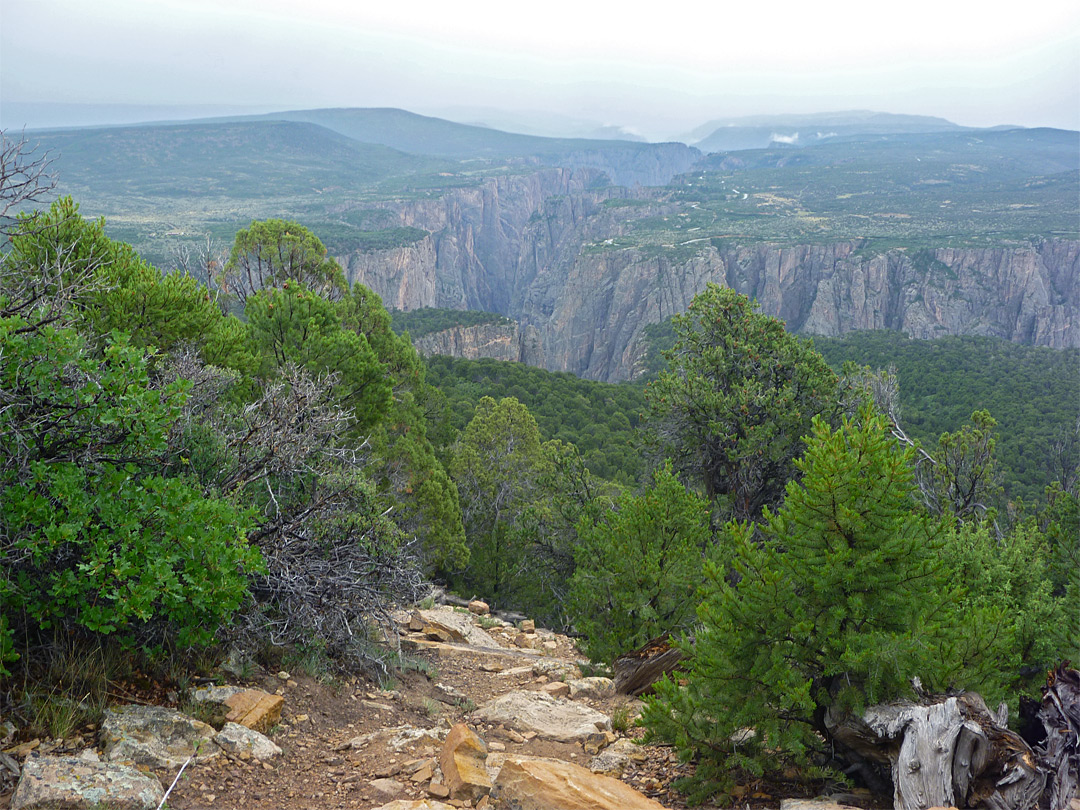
x: 93, y: 538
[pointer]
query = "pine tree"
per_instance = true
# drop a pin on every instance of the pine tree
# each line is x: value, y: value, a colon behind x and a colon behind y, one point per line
x: 835, y: 605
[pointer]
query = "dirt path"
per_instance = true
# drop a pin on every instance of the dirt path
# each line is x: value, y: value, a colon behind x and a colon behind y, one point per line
x: 322, y: 768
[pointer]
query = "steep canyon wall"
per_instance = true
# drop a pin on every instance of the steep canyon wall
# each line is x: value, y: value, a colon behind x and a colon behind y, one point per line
x: 542, y: 248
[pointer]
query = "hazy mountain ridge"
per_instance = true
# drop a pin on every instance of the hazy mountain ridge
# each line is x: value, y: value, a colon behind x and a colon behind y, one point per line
x: 759, y: 131
x: 935, y: 233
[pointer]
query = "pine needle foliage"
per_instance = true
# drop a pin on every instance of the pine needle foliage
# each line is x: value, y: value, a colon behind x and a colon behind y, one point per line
x: 835, y: 603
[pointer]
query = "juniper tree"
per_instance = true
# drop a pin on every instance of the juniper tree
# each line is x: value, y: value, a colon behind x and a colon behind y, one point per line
x: 735, y: 402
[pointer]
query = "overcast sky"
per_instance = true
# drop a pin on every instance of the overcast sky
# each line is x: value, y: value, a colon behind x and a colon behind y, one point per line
x: 661, y: 68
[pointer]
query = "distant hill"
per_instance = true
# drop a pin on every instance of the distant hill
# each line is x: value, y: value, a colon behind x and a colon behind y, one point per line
x: 242, y: 159
x: 544, y: 123
x: 987, y: 155
x: 759, y: 132
x: 424, y: 135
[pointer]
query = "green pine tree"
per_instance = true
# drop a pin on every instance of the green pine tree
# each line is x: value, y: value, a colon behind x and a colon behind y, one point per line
x: 836, y: 603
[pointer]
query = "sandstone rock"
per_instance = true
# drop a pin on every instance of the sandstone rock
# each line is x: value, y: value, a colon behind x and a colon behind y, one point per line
x: 592, y: 688
x: 155, y: 736
x: 437, y: 631
x: 539, y: 784
x: 397, y: 738
x: 479, y: 608
x: 462, y: 762
x: 69, y: 782
x: 255, y: 709
x: 416, y: 804
x: 387, y: 787
x: 525, y: 640
x: 595, y: 743
x: 22, y: 749
x: 423, y: 775
x: 439, y: 790
x: 217, y: 694
x: 459, y: 625
x: 237, y: 739
x: 615, y: 759
x: 556, y: 719
x: 821, y: 803
x: 556, y: 689
x: 528, y: 626
x: 556, y: 670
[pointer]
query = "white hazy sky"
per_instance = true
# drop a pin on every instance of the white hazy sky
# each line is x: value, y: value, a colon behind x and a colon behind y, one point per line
x: 659, y: 67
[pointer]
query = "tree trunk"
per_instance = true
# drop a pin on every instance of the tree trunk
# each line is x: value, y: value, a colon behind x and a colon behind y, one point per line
x: 637, y: 671
x: 948, y: 752
x: 1059, y: 750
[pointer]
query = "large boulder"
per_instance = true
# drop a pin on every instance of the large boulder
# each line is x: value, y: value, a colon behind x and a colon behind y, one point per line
x: 548, y: 784
x: 71, y: 783
x: 462, y: 762
x: 615, y: 759
x: 552, y: 718
x: 255, y: 709
x: 240, y: 740
x: 156, y: 737
x: 456, y: 627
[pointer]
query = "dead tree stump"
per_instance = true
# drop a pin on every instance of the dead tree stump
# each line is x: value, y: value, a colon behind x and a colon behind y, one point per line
x: 1059, y: 751
x: 946, y: 752
x: 636, y: 671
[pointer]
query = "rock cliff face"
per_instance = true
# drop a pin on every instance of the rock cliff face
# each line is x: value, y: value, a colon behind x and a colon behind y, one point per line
x: 651, y: 166
x: 542, y: 248
x: 1029, y: 295
x: 497, y: 341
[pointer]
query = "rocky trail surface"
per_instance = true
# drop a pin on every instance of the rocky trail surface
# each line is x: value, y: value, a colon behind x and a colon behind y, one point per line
x: 490, y: 715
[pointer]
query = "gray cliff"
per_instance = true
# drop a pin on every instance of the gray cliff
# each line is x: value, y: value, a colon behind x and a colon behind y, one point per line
x: 498, y: 341
x: 543, y: 249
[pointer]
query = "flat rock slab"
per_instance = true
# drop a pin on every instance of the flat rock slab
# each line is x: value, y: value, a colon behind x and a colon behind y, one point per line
x: 71, y: 783
x: 155, y: 736
x: 255, y: 709
x: 217, y: 694
x: 553, y: 718
x: 237, y: 740
x: 616, y: 758
x: 548, y: 784
x: 397, y: 738
x: 416, y: 804
x: 461, y: 625
x: 598, y: 688
x: 821, y: 803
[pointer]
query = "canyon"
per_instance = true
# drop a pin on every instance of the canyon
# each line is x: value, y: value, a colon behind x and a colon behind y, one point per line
x: 542, y: 247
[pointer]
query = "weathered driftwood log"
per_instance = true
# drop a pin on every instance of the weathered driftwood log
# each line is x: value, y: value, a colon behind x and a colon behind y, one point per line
x: 946, y: 752
x: 636, y: 672
x: 1059, y: 750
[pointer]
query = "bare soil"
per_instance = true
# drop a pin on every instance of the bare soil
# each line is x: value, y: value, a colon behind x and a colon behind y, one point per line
x: 323, y: 769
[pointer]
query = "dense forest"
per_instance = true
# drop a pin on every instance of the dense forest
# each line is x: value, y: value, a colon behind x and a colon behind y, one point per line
x: 425, y: 321
x: 600, y: 419
x: 1032, y: 392
x: 261, y: 462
